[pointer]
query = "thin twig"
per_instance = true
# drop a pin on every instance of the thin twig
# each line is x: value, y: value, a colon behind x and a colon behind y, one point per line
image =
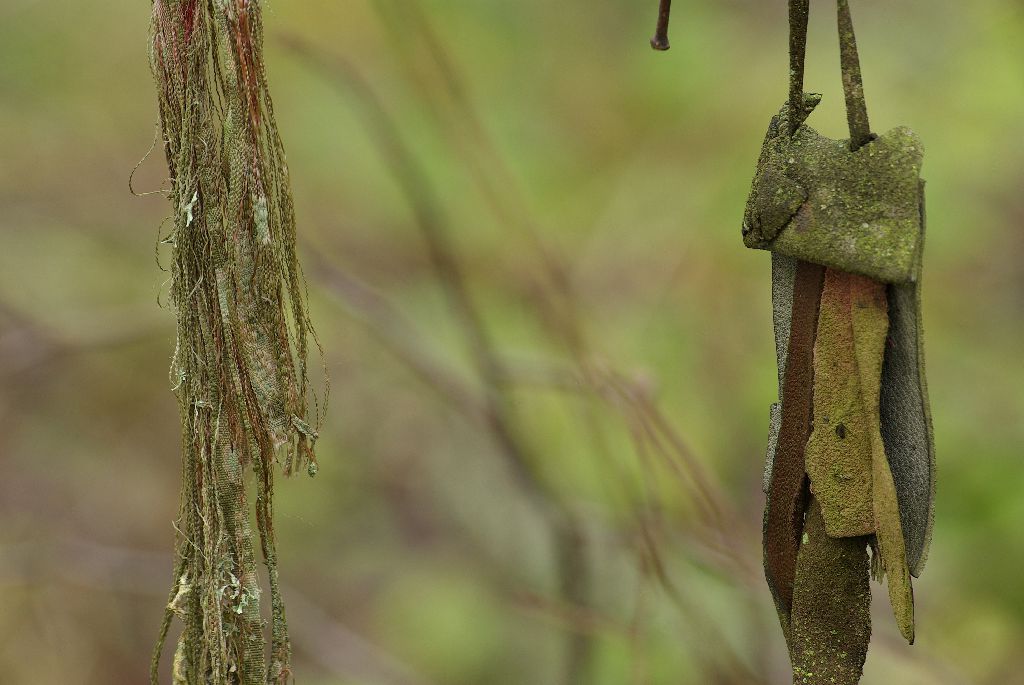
x: 660, y: 39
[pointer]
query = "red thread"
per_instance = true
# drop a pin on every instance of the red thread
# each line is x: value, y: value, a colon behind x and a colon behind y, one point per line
x: 189, y: 12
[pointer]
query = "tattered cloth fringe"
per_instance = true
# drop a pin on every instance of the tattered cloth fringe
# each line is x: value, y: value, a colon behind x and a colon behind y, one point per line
x: 239, y: 367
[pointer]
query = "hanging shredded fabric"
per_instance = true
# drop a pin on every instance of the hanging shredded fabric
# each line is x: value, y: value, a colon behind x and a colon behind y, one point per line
x: 239, y: 366
x: 850, y: 463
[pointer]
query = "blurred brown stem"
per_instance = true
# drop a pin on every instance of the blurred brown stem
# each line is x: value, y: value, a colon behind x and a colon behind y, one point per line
x: 559, y: 298
x: 660, y: 39
x: 466, y: 132
x: 397, y: 334
x: 80, y: 563
x: 504, y: 195
x: 417, y: 187
x: 573, y: 571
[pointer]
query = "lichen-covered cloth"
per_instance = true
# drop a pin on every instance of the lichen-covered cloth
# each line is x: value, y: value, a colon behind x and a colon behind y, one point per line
x: 850, y: 460
x: 239, y: 365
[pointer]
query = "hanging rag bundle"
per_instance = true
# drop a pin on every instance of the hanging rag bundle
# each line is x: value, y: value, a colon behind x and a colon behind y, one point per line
x: 239, y: 366
x: 850, y: 463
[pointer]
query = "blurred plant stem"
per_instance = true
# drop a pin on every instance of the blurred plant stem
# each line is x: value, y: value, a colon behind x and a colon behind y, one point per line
x: 334, y: 646
x: 394, y: 331
x: 466, y: 133
x: 331, y: 643
x: 464, y: 130
x: 499, y: 414
x: 414, y: 37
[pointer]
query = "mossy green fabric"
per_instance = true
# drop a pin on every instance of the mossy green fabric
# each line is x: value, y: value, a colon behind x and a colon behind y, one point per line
x: 839, y: 451
x: 859, y: 211
x: 868, y: 454
x: 870, y: 330
x: 831, y: 620
x: 239, y: 367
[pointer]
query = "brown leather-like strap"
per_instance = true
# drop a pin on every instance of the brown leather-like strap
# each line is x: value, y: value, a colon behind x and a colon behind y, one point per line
x: 787, y: 491
x: 853, y: 83
x: 799, y: 12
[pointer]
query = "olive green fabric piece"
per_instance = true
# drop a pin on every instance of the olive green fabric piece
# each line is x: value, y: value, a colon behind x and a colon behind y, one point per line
x: 906, y: 420
x: 239, y: 367
x: 839, y: 451
x: 831, y: 620
x: 859, y: 211
x: 870, y: 330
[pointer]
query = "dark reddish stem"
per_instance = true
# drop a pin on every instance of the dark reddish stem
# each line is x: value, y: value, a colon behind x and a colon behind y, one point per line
x: 660, y: 40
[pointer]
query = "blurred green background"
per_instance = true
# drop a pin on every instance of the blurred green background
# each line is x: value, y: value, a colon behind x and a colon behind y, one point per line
x: 592, y: 191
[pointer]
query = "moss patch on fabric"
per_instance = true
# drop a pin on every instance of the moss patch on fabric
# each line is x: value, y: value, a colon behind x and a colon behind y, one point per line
x: 814, y: 199
x: 831, y: 619
x: 838, y: 452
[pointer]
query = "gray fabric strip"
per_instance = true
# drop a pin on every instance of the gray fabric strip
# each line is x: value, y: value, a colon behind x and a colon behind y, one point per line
x: 783, y: 273
x: 906, y: 423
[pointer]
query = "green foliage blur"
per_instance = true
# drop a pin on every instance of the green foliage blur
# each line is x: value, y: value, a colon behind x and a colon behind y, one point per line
x: 592, y: 191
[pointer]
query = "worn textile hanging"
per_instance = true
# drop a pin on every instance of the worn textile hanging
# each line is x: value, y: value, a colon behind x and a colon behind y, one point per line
x: 239, y: 366
x: 850, y: 464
